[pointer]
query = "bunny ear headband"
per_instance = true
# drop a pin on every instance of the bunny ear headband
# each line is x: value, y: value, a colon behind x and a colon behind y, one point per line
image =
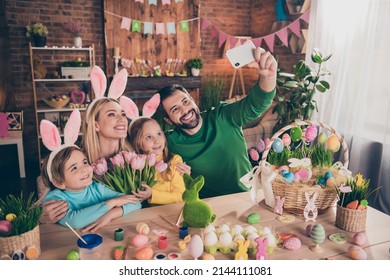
x: 99, y: 85
x: 148, y: 110
x: 52, y: 140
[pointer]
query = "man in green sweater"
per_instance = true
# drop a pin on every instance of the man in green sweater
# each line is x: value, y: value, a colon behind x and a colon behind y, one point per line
x: 212, y: 142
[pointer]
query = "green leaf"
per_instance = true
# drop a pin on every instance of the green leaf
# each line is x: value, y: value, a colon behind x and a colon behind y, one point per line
x: 327, y: 57
x: 320, y: 88
x: 325, y: 84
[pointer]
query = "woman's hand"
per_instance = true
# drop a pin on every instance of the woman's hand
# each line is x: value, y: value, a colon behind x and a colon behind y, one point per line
x: 182, y: 168
x: 53, y: 211
x: 145, y: 194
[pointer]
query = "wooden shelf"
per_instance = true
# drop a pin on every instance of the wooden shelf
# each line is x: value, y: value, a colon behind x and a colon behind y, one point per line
x: 156, y: 83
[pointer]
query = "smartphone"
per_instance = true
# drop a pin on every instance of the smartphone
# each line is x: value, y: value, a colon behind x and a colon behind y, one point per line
x: 241, y: 55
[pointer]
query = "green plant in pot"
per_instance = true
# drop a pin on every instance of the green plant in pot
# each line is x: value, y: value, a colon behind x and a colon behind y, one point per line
x: 294, y: 99
x: 211, y: 92
x: 37, y: 32
x: 195, y: 65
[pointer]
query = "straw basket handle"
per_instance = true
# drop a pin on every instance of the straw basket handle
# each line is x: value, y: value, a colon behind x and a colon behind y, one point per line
x: 299, y: 123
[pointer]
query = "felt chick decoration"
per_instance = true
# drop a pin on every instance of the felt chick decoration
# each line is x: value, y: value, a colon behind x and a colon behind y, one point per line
x: 196, y: 213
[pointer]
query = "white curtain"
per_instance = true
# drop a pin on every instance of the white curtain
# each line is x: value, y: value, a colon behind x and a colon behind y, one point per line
x: 357, y: 33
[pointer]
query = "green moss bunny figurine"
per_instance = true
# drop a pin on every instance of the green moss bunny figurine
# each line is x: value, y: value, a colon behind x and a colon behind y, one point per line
x: 196, y: 213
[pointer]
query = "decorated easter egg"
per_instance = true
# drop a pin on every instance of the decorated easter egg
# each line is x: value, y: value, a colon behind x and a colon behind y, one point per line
x: 328, y: 175
x: 331, y: 182
x: 73, y: 255
x: 308, y: 229
x: 311, y: 133
x: 286, y: 139
x: 5, y: 226
x: 195, y: 246
x: 317, y: 234
x: 10, y: 217
x: 356, y: 253
x: 142, y: 228
x: 225, y: 239
x: 145, y: 253
x: 292, y: 243
x: 284, y: 167
x: 296, y: 134
x: 333, y: 143
x: 260, y: 146
x: 139, y: 240
x: 322, y: 138
x: 288, y: 177
x: 210, y: 239
x: 254, y: 154
x: 253, y: 218
x: 297, y: 177
x: 360, y: 239
x: 278, y: 145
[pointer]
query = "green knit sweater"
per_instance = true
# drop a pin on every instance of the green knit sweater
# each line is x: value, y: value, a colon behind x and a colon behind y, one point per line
x: 218, y: 150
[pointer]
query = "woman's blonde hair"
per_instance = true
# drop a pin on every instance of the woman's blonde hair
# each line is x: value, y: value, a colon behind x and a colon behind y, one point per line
x: 135, y: 139
x: 57, y: 166
x: 90, y: 142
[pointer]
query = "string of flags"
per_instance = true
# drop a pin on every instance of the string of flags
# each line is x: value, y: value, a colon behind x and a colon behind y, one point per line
x: 170, y: 28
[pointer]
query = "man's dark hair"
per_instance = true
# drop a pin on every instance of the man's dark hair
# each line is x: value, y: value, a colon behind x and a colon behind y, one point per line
x: 167, y: 91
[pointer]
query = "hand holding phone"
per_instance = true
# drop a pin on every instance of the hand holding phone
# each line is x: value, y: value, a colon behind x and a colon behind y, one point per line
x: 241, y: 55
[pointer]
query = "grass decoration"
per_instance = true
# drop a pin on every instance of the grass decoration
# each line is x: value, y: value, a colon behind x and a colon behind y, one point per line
x: 320, y: 156
x: 27, y: 213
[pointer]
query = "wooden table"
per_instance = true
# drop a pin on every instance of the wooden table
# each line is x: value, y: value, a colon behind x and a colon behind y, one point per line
x: 57, y: 240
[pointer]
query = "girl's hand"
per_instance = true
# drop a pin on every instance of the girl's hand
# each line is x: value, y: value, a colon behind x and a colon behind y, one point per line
x: 145, y: 194
x: 104, y: 220
x: 121, y: 200
x: 182, y: 168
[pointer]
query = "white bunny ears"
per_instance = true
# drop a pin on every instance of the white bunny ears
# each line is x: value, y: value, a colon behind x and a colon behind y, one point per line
x: 52, y: 140
x: 117, y: 87
x: 148, y: 110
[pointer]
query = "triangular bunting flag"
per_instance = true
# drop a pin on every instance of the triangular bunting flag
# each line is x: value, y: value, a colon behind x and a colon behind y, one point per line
x: 283, y: 36
x: 295, y: 27
x: 233, y: 41
x: 148, y: 28
x: 184, y: 26
x: 221, y: 38
x: 141, y: 1
x: 214, y: 32
x: 159, y: 28
x: 204, y: 24
x: 269, y: 40
x: 306, y: 16
x: 166, y: 2
x: 135, y: 26
x: 126, y: 22
x: 177, y: 1
x: 171, y: 28
x: 153, y: 2
x: 239, y: 43
x: 257, y: 42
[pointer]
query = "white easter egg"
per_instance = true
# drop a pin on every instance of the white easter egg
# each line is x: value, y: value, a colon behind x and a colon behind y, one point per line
x: 266, y: 231
x: 224, y: 228
x: 225, y: 239
x: 237, y: 229
x: 271, y: 239
x: 238, y: 237
x: 210, y: 239
x: 252, y: 236
x: 195, y: 246
x: 209, y: 228
x: 250, y: 229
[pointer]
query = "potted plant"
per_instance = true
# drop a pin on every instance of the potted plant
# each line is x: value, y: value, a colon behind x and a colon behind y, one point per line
x: 37, y: 32
x: 294, y: 99
x: 211, y: 92
x: 74, y: 27
x: 195, y: 65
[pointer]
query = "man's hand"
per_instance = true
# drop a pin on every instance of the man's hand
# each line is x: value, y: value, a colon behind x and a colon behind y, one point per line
x: 53, y: 211
x: 267, y: 67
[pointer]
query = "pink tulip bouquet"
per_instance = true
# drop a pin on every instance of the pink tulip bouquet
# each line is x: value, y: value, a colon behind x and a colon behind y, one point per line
x: 126, y: 171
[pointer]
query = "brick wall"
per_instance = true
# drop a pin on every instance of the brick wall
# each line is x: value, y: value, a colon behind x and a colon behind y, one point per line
x: 235, y: 17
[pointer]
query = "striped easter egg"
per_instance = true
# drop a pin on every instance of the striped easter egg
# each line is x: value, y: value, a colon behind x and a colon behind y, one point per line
x: 317, y: 234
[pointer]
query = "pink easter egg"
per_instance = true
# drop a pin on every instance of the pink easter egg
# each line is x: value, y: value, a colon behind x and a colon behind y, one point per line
x: 254, y: 155
x: 292, y: 243
x: 311, y: 133
x: 5, y: 226
x: 139, y: 240
x: 260, y: 146
x: 297, y: 177
x: 286, y: 139
x: 356, y: 253
x: 284, y: 167
x: 360, y: 239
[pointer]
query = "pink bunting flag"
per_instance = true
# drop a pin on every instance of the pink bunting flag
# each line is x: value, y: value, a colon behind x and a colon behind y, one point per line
x: 204, y: 24
x: 269, y: 40
x: 283, y: 36
x: 166, y: 2
x: 222, y: 36
x: 159, y: 28
x: 141, y: 1
x: 257, y: 42
x: 295, y: 27
x: 125, y: 24
x: 233, y: 41
x: 214, y: 32
x: 306, y: 16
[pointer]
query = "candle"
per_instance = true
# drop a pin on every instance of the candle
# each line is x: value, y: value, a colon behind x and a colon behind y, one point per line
x: 116, y: 51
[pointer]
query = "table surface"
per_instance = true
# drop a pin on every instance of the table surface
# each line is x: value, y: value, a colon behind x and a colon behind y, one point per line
x: 57, y: 240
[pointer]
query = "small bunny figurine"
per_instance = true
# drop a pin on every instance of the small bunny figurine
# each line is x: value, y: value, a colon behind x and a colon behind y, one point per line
x: 196, y: 213
x: 279, y: 201
x: 262, y: 244
x: 304, y: 166
x: 242, y: 251
x: 310, y: 207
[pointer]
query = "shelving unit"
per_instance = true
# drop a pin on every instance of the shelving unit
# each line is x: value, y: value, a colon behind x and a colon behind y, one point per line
x: 53, y: 56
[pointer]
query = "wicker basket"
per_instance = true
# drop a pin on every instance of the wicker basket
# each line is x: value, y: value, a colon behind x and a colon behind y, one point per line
x: 295, y: 200
x: 350, y: 219
x: 8, y: 245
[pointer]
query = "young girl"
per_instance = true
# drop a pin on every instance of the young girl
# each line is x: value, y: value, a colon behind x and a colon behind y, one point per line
x: 146, y: 137
x: 67, y: 172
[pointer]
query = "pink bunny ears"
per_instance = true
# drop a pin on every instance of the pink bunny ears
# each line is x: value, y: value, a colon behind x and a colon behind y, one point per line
x: 99, y: 85
x: 52, y: 140
x: 148, y: 110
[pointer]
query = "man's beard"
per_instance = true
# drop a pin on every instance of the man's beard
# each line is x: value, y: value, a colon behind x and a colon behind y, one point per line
x: 192, y: 124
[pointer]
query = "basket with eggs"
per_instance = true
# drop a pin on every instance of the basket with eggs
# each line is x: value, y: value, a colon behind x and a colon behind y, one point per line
x: 57, y: 101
